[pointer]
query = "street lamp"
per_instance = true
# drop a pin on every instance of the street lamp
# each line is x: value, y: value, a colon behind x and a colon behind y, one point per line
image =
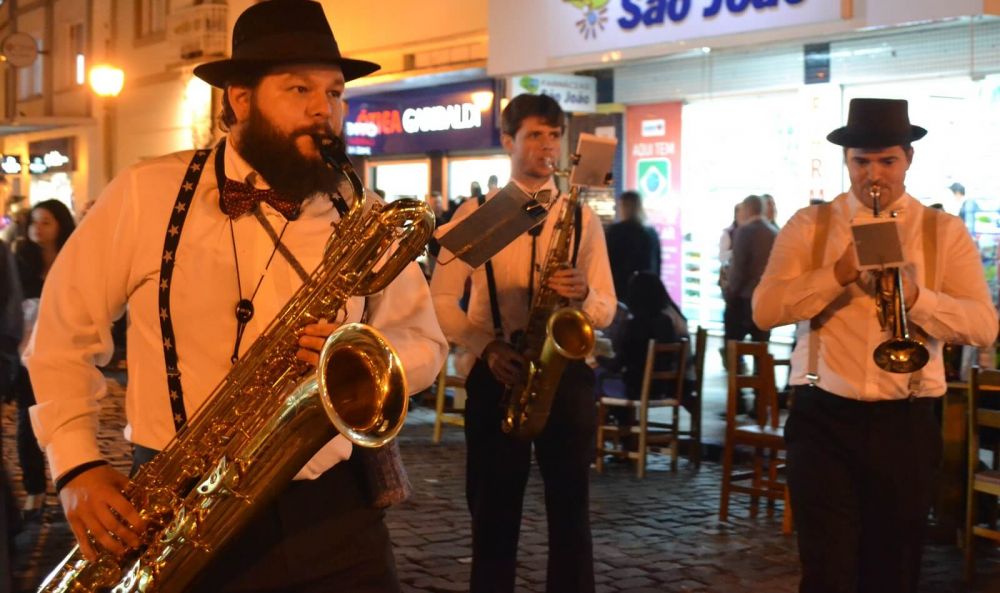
x: 107, y: 82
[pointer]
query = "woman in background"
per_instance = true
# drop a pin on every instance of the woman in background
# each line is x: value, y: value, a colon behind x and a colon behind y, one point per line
x: 49, y: 226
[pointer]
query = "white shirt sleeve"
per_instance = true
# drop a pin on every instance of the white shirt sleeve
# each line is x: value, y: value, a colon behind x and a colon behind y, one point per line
x: 447, y: 288
x: 601, y: 301
x: 405, y: 315
x: 961, y: 311
x: 790, y: 290
x: 84, y: 292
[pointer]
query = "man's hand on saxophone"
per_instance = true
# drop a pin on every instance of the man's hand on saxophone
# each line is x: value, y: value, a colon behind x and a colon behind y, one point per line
x: 99, y: 514
x: 507, y: 364
x: 570, y: 283
x: 312, y: 340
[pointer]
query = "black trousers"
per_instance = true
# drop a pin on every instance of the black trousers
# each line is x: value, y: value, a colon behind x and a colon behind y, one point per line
x: 318, y: 536
x: 497, y: 472
x: 738, y: 323
x: 861, y: 477
x: 29, y: 454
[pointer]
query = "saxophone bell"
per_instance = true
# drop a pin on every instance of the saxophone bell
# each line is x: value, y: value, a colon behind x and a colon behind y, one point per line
x: 363, y: 385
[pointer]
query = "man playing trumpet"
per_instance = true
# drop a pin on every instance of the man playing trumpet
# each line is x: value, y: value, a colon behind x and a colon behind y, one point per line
x: 863, y: 443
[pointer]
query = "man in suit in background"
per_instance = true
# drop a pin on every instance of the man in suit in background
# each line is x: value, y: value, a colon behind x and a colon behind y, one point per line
x: 752, y: 242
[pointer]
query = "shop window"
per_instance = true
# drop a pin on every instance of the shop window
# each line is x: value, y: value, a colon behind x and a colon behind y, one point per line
x: 151, y: 19
x: 76, y: 61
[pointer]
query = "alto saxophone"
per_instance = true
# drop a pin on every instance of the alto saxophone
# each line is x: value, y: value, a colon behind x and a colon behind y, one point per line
x: 272, y: 412
x: 556, y: 334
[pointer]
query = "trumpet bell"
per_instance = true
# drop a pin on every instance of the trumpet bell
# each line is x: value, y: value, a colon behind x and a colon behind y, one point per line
x: 901, y: 356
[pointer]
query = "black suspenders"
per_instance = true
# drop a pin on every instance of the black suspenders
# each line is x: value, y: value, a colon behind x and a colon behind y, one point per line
x: 492, y: 285
x: 170, y: 243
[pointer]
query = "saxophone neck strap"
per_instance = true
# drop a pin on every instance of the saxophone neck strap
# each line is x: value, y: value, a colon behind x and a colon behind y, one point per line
x: 577, y: 232
x: 178, y: 216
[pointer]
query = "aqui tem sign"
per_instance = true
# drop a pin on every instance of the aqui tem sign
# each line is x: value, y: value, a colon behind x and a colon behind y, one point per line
x: 19, y: 50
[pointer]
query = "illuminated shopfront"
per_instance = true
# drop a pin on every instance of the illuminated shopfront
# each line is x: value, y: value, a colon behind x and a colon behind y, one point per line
x: 722, y: 104
x: 439, y: 138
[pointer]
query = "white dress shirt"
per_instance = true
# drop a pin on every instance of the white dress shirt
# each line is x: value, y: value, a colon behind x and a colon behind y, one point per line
x: 113, y: 258
x: 474, y: 331
x: 957, y: 309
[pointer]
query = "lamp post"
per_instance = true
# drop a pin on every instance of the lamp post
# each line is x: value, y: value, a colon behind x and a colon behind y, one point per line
x: 107, y: 82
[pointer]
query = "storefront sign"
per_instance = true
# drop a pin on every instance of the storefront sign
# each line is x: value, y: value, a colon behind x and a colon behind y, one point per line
x: 453, y: 117
x: 36, y: 165
x: 604, y: 27
x: 653, y: 165
x: 49, y: 156
x: 575, y: 94
x: 10, y: 164
x: 600, y: 25
x: 19, y: 50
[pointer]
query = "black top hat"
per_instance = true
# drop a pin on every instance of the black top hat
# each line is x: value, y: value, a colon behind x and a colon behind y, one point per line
x: 278, y: 32
x: 877, y: 123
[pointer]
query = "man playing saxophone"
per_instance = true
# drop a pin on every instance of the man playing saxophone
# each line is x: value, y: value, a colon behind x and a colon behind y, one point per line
x: 863, y: 443
x: 502, y: 292
x: 205, y: 248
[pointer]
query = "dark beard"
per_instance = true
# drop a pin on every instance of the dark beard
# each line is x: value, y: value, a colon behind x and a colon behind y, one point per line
x: 276, y: 157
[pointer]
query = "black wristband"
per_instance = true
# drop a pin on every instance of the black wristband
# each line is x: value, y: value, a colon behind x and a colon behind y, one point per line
x: 76, y: 471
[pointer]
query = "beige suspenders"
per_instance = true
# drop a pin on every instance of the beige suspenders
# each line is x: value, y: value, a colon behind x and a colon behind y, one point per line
x: 823, y: 213
x: 930, y: 240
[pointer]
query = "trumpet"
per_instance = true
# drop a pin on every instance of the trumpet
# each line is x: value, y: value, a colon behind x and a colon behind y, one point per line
x: 901, y: 353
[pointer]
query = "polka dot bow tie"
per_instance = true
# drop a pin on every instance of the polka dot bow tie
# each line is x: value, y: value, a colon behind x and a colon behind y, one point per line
x: 239, y: 198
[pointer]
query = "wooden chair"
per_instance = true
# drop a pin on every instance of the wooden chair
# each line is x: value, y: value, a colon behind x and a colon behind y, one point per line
x: 650, y: 434
x: 443, y: 414
x: 982, y: 384
x: 693, y: 434
x: 765, y: 435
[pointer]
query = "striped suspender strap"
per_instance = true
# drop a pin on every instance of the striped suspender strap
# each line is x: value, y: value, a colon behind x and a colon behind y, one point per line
x: 823, y: 213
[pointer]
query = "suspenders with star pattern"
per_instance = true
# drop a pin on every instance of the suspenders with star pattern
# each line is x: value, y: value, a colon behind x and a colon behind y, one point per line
x: 170, y: 243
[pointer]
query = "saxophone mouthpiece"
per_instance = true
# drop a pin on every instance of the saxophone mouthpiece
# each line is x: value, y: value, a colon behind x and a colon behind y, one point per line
x: 330, y: 148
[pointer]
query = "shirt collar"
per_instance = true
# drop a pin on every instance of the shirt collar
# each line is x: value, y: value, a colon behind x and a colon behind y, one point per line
x: 549, y: 185
x: 900, y: 206
x: 237, y: 168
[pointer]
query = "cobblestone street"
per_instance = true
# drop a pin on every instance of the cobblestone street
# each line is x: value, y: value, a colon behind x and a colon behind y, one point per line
x: 659, y: 534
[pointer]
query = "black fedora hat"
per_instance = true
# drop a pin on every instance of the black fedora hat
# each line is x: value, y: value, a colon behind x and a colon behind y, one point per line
x: 276, y: 32
x: 877, y: 123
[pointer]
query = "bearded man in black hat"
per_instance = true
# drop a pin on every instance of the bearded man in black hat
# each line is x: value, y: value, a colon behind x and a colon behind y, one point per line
x: 205, y: 248
x: 863, y: 443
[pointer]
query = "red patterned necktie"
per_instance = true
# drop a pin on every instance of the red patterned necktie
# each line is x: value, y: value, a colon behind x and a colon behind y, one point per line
x: 238, y: 198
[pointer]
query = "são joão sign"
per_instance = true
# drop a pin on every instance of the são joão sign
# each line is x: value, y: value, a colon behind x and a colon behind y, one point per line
x: 658, y: 12
x: 446, y: 118
x: 585, y: 26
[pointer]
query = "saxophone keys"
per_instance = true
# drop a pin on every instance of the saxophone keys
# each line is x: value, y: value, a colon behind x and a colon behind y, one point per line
x: 130, y: 581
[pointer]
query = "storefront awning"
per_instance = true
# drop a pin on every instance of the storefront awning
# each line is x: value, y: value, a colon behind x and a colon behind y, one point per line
x: 27, y: 125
